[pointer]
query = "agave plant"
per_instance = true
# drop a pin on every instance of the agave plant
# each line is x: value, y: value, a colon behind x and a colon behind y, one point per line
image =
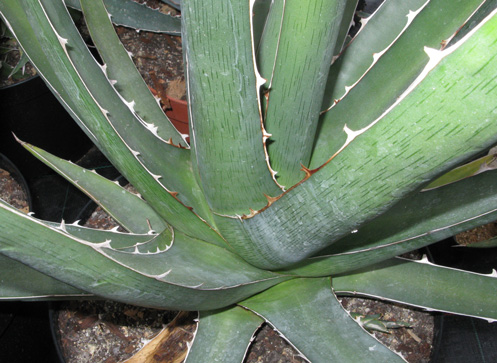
x: 305, y: 176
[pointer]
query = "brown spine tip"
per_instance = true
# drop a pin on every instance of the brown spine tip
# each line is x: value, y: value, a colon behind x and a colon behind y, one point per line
x: 271, y: 200
x: 252, y: 213
x: 308, y: 172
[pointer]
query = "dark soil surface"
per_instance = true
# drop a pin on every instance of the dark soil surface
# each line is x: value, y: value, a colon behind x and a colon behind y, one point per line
x: 415, y: 342
x: 105, y: 331
x: 158, y: 57
x: 12, y: 192
x: 477, y: 234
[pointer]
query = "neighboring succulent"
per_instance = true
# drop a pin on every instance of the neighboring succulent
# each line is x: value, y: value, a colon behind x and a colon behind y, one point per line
x: 136, y: 15
x: 124, y: 12
x: 8, y: 45
x: 374, y: 322
x: 302, y: 180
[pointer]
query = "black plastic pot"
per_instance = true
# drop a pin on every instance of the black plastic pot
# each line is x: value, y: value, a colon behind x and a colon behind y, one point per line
x: 25, y: 333
x: 461, y: 339
x: 58, y: 200
x: 24, y: 327
x: 33, y: 114
x: 30, y: 110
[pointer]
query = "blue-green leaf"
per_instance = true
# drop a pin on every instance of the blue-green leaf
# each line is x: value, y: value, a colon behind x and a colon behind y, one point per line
x: 307, y: 313
x: 223, y: 335
x: 422, y: 284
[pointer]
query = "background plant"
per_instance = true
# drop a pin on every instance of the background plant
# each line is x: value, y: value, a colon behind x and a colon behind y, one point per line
x: 302, y: 180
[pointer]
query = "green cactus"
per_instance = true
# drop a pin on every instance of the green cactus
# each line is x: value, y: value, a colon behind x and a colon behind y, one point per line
x: 304, y: 177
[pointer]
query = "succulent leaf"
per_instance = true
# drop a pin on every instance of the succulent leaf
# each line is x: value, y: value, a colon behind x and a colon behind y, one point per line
x: 346, y: 23
x: 174, y: 3
x: 487, y: 7
x: 295, y: 53
x: 468, y: 170
x: 21, y: 282
x: 18, y: 69
x: 364, y: 178
x: 307, y: 313
x: 123, y: 121
x: 422, y: 284
x: 416, y: 221
x: 97, y: 268
x: 231, y: 188
x: 128, y: 209
x: 377, y: 34
x: 422, y: 30
x: 375, y: 323
x: 120, y: 68
x: 96, y: 120
x: 138, y: 16
x: 224, y: 334
x: 261, y: 10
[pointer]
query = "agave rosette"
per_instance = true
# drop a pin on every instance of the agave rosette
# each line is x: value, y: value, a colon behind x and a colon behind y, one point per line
x: 304, y: 176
